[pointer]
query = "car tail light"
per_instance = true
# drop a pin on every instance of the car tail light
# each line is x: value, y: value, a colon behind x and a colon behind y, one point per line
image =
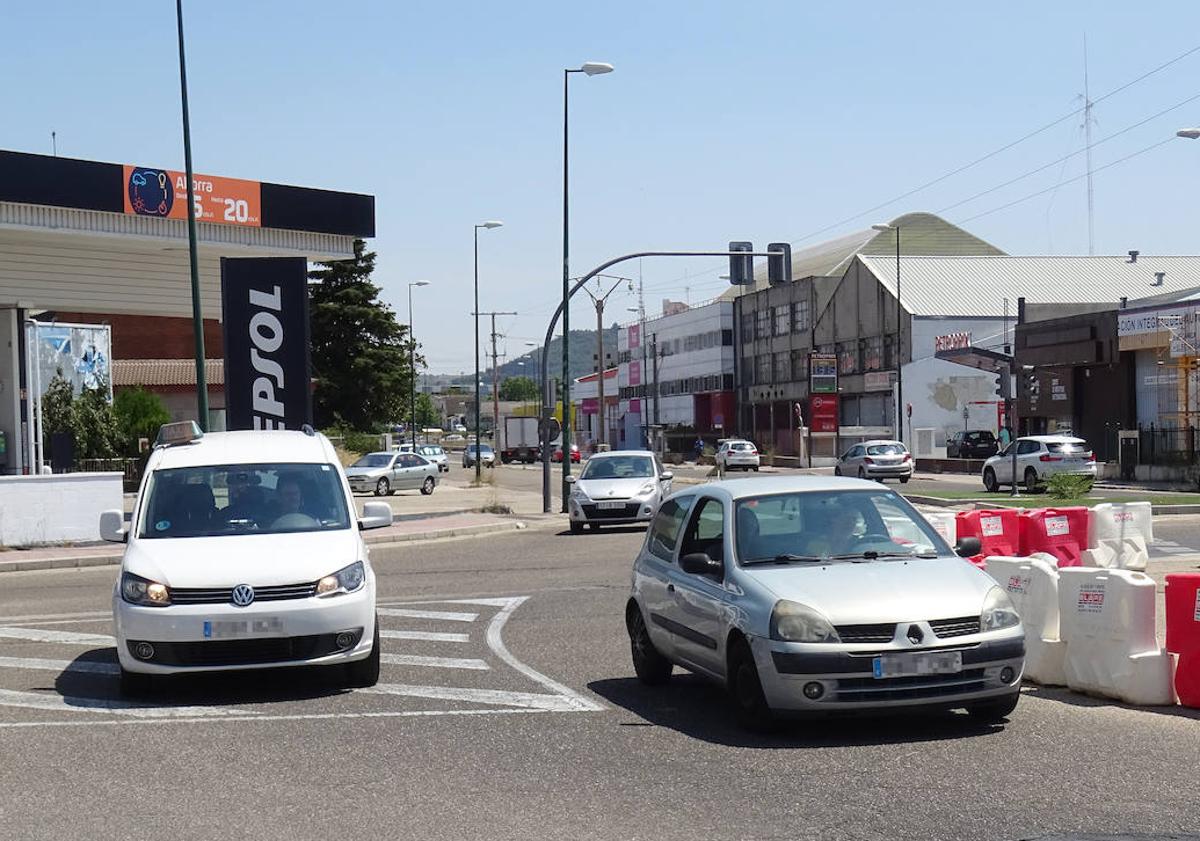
x: 868, y: 460
x: 754, y: 452
x: 907, y: 457
x: 1091, y: 457
x: 1048, y: 457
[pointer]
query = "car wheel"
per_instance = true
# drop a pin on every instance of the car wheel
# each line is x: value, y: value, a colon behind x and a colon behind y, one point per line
x: 755, y: 468
x: 651, y: 667
x: 837, y: 470
x: 745, y: 689
x: 862, y: 473
x: 427, y: 485
x: 989, y: 481
x: 136, y: 684
x: 904, y: 480
x: 576, y: 528
x: 363, y: 673
x: 1031, y: 480
x: 594, y: 526
x: 994, y: 712
x: 383, y: 487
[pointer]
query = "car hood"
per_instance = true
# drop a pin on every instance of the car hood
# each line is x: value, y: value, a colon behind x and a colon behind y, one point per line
x: 365, y: 472
x: 612, y: 488
x: 894, y: 590
x: 260, y: 560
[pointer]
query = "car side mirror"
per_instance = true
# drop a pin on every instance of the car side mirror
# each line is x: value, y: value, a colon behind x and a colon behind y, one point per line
x: 666, y: 476
x: 698, y: 563
x: 572, y: 479
x: 376, y: 515
x: 968, y: 547
x: 112, y: 526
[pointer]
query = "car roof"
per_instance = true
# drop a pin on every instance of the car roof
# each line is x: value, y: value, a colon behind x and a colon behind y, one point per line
x: 881, y: 441
x: 612, y: 453
x: 1053, y: 439
x: 247, y: 447
x: 735, y: 489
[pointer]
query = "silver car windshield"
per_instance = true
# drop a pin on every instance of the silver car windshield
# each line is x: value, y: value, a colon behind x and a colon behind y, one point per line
x: 830, y: 525
x: 243, y: 498
x: 373, y: 460
x: 886, y: 450
x: 619, y: 467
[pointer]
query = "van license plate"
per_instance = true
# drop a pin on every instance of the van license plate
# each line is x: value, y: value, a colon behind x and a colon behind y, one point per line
x: 925, y: 663
x: 265, y: 627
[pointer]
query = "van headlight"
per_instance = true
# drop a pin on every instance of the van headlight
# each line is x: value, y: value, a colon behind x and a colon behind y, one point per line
x: 345, y: 580
x: 998, y: 611
x: 795, y: 622
x: 143, y: 591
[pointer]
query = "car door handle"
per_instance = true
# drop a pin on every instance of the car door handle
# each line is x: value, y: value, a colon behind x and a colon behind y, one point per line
x: 670, y: 588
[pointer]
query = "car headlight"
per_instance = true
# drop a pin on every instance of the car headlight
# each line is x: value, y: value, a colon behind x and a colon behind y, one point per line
x: 646, y: 489
x: 998, y: 611
x: 143, y: 591
x: 345, y: 580
x: 795, y: 622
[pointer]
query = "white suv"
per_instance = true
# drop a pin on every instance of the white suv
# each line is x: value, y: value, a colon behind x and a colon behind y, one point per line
x: 244, y: 551
x: 1038, y: 458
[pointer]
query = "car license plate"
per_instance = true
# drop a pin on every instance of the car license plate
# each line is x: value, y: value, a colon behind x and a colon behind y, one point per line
x: 608, y: 506
x: 924, y: 663
x: 264, y: 627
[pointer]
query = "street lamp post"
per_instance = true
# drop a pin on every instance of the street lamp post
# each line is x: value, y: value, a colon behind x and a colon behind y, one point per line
x: 478, y: 436
x: 899, y: 338
x: 412, y: 363
x: 590, y: 68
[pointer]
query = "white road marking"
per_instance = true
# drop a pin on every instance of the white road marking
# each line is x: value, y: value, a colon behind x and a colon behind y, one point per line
x: 435, y: 662
x: 39, y: 617
x: 428, y: 614
x: 70, y: 637
x: 532, y: 700
x: 12, y: 725
x: 41, y: 622
x: 429, y: 636
x: 91, y: 667
x: 61, y: 703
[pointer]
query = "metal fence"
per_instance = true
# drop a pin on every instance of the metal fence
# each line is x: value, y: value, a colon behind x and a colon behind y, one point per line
x: 1168, y: 446
x: 131, y: 468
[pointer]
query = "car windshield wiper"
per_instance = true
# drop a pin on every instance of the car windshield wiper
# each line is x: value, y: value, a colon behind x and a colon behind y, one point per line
x: 784, y: 559
x: 871, y: 555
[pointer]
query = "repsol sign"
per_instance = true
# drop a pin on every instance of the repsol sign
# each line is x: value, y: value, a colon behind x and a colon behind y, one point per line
x: 264, y: 302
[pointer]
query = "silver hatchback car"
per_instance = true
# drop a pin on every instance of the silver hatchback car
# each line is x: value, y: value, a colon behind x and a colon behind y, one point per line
x: 618, y: 487
x: 876, y: 460
x: 820, y: 595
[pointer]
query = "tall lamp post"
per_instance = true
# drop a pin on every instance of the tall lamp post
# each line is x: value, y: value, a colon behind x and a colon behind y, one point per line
x: 478, y: 412
x: 899, y: 338
x: 412, y: 363
x: 590, y: 68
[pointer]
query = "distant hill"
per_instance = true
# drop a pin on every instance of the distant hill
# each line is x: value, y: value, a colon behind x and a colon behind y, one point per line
x: 583, y: 351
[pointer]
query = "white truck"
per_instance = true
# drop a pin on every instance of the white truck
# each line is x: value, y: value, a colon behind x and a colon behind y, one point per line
x: 520, y: 440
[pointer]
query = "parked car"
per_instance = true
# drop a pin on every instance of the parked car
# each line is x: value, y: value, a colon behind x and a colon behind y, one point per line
x: 557, y: 454
x: 385, y: 473
x: 809, y: 595
x: 978, y: 443
x: 617, y: 487
x: 736, y: 454
x: 487, y: 456
x: 1038, y: 458
x: 876, y: 460
x: 432, y: 452
x: 244, y: 551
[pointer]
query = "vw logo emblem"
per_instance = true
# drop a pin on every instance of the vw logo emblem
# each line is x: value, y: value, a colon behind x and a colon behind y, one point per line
x: 243, y: 595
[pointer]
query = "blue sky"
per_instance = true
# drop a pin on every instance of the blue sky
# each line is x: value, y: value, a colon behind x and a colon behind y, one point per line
x: 764, y: 121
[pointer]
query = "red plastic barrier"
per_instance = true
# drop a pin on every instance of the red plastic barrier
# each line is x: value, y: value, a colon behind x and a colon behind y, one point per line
x: 998, y: 531
x: 1061, y: 532
x: 1183, y: 633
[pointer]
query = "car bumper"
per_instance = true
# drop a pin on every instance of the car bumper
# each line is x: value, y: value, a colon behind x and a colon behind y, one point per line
x: 751, y: 461
x: 849, y: 684
x: 307, y: 636
x: 883, y: 471
x: 634, y: 511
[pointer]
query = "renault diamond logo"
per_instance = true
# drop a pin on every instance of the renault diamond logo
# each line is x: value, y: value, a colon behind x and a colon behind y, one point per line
x: 915, y: 634
x: 243, y: 595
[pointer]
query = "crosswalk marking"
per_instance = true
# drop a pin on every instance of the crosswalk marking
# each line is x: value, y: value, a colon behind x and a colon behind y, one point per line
x: 68, y: 703
x: 44, y: 635
x: 91, y: 667
x: 449, y: 616
x: 428, y: 636
x: 434, y: 662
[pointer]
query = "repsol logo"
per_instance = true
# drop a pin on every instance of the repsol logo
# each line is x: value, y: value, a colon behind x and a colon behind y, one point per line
x: 266, y: 338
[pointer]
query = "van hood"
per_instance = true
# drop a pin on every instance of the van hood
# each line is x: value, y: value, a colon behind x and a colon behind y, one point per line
x: 260, y: 560
x: 885, y: 590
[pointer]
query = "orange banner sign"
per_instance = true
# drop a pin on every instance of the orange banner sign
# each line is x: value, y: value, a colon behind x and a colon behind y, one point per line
x: 163, y: 193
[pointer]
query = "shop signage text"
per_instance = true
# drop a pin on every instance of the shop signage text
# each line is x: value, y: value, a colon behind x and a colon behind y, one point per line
x: 163, y: 193
x: 952, y: 341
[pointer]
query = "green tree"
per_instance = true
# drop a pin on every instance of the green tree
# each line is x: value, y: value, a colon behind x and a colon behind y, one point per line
x: 427, y: 413
x: 97, y: 434
x: 56, y: 408
x: 518, y: 388
x: 139, y: 414
x: 360, y: 352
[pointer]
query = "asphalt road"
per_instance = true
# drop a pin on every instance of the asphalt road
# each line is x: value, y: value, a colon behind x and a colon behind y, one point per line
x: 530, y: 725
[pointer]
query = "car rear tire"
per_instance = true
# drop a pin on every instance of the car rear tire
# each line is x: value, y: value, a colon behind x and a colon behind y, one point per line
x: 651, y: 667
x: 136, y: 684
x: 745, y: 690
x: 383, y: 488
x: 989, y: 481
x: 1031, y: 480
x: 576, y: 528
x: 904, y: 480
x: 427, y: 485
x: 837, y: 470
x: 755, y: 468
x: 363, y: 673
x: 862, y: 474
x: 994, y: 712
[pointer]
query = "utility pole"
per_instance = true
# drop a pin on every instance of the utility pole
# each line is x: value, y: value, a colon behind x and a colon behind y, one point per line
x: 495, y: 376
x: 602, y: 438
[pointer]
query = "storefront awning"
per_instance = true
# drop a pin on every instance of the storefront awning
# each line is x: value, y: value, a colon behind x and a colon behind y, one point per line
x: 977, y: 357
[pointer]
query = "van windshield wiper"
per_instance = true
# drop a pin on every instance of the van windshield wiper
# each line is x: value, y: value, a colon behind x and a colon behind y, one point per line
x: 784, y: 559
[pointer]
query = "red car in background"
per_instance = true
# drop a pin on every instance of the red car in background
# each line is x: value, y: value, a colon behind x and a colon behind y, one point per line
x: 557, y: 455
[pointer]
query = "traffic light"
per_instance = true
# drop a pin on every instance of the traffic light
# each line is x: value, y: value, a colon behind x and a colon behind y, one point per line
x: 1004, y: 386
x: 741, y: 267
x: 779, y: 263
x: 1031, y: 381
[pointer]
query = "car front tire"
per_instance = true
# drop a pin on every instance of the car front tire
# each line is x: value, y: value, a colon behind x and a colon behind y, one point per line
x: 994, y: 712
x: 576, y: 528
x: 989, y: 481
x: 745, y: 689
x: 427, y: 485
x: 1031, y: 480
x: 650, y: 666
x: 136, y: 684
x: 363, y: 673
x: 383, y: 487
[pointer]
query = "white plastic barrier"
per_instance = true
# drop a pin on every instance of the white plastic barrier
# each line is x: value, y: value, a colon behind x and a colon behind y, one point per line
x: 1106, y: 618
x: 1119, y: 534
x: 1032, y: 584
x: 944, y: 523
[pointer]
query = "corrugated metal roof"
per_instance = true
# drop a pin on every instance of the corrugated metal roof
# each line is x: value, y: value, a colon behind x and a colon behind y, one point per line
x: 164, y: 372
x: 977, y: 286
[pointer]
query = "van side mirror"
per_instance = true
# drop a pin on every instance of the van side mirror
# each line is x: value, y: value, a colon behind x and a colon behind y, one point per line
x: 968, y: 547
x: 376, y: 515
x: 112, y: 526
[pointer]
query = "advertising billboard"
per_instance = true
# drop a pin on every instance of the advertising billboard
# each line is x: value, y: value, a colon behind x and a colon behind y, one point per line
x: 80, y: 353
x: 163, y: 193
x: 823, y: 412
x: 822, y: 373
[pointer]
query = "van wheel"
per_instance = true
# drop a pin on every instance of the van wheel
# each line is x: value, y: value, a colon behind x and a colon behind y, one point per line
x: 651, y: 667
x: 989, y: 481
x: 1031, y: 480
x: 363, y: 673
x: 745, y: 689
x: 427, y: 485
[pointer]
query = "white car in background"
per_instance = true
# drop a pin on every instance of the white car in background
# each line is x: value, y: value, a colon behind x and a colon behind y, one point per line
x: 1038, y: 458
x: 432, y: 452
x: 736, y: 454
x: 244, y: 552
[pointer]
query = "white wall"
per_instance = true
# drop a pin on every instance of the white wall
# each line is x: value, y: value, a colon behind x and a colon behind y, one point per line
x: 38, y: 510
